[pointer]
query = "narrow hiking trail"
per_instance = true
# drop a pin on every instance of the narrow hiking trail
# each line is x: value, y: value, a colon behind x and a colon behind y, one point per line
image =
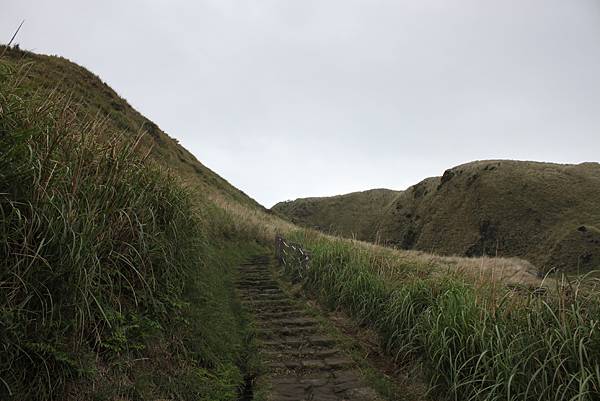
x: 303, y: 363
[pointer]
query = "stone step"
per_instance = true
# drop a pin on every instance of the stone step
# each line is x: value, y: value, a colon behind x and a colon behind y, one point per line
x: 307, y: 364
x: 302, y: 363
x: 271, y: 304
x: 287, y: 342
x: 291, y: 313
x: 295, y: 343
x: 285, y: 331
x: 309, y: 353
x: 249, y: 280
x: 252, y: 274
x: 266, y: 300
x: 321, y: 341
x: 254, y: 269
x: 300, y: 321
x: 253, y: 290
x: 269, y: 295
x: 340, y: 385
x: 265, y: 313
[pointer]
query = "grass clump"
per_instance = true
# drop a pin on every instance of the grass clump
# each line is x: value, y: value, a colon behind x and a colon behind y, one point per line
x: 474, y: 342
x: 113, y: 276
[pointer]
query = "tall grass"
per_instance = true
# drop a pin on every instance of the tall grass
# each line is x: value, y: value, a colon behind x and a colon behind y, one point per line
x: 106, y: 262
x: 475, y: 343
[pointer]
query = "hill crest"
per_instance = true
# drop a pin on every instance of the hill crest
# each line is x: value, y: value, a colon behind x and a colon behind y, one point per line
x: 547, y: 213
x: 47, y: 73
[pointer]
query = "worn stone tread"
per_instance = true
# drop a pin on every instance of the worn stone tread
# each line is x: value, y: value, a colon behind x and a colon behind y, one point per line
x: 303, y: 363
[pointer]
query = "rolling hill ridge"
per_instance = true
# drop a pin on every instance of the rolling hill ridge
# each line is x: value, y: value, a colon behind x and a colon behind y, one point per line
x: 116, y: 247
x: 44, y: 74
x: 546, y: 213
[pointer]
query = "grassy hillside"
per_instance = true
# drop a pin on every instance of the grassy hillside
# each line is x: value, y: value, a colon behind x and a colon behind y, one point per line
x: 43, y: 75
x: 357, y: 213
x: 546, y: 213
x: 474, y: 338
x: 115, y: 272
x: 117, y: 252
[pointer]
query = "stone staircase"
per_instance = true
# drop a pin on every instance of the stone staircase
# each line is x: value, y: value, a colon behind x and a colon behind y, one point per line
x: 303, y: 362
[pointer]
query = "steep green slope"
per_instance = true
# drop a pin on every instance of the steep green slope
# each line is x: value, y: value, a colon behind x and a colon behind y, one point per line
x: 546, y: 213
x: 45, y: 74
x: 357, y: 213
x: 116, y: 279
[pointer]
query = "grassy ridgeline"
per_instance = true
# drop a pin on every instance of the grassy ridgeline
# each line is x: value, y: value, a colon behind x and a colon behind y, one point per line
x: 113, y: 278
x: 476, y: 342
x: 546, y: 213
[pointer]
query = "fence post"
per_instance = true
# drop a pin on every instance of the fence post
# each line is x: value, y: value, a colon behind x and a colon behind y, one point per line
x: 295, y: 251
x: 279, y: 249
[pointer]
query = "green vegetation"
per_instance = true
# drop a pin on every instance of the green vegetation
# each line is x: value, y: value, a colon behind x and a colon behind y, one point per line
x: 115, y: 277
x: 355, y: 214
x: 43, y: 75
x: 117, y: 248
x: 476, y: 342
x: 545, y: 213
x: 353, y: 347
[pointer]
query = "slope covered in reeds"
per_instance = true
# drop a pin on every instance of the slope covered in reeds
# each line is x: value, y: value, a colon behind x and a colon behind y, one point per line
x: 474, y: 337
x: 44, y: 75
x: 115, y: 279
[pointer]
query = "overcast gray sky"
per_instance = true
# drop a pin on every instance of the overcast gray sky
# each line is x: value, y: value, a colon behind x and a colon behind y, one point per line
x: 299, y: 98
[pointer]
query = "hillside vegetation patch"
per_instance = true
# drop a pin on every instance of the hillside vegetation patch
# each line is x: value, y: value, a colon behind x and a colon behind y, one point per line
x: 503, y: 208
x: 476, y: 340
x: 114, y: 277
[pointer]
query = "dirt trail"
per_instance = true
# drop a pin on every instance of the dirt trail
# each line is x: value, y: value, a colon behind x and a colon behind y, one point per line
x: 303, y: 363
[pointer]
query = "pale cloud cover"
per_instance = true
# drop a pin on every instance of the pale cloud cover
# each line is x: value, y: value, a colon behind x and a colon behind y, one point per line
x: 298, y: 98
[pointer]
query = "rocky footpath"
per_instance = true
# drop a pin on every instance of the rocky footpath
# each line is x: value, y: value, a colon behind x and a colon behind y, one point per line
x: 303, y: 362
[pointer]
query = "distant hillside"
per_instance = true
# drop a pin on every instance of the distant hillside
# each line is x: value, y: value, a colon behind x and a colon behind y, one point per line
x: 352, y: 214
x: 546, y: 213
x: 52, y: 73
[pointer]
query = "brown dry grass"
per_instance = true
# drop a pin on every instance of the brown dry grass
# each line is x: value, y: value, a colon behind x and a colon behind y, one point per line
x: 477, y: 269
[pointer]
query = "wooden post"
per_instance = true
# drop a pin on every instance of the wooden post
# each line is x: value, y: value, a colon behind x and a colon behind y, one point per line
x: 285, y: 250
